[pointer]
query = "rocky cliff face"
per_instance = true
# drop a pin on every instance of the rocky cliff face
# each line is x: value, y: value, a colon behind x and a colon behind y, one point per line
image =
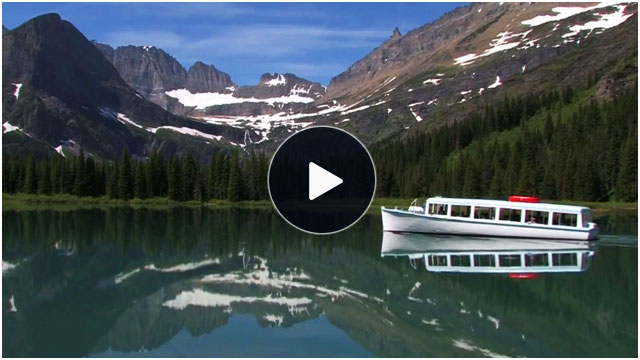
x: 399, y: 51
x: 160, y: 78
x: 203, y: 78
x: 147, y: 69
x: 60, y: 91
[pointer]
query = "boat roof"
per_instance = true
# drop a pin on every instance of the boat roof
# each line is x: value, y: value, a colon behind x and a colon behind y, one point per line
x: 509, y: 204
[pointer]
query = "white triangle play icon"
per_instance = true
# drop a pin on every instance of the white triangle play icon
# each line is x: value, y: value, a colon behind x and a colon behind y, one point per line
x: 321, y: 181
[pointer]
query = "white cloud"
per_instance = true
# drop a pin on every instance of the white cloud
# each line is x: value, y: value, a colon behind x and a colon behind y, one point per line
x: 221, y: 10
x: 163, y: 39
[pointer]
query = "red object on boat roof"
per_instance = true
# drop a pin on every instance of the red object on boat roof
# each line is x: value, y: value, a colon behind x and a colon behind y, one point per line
x: 527, y: 199
x: 523, y: 276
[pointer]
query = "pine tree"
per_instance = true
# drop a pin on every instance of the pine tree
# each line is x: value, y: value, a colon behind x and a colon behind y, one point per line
x: 223, y: 177
x: 235, y: 178
x: 30, y: 181
x: 548, y: 129
x: 125, y: 184
x: 568, y: 176
x: 199, y: 189
x: 78, y: 171
x: 89, y: 187
x: 112, y: 185
x: 212, y: 176
x: 44, y: 176
x: 174, y: 182
x: 627, y: 185
x: 189, y: 173
x: 140, y: 182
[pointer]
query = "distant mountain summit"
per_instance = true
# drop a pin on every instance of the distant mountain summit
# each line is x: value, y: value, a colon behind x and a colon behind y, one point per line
x: 206, y: 78
x: 159, y: 77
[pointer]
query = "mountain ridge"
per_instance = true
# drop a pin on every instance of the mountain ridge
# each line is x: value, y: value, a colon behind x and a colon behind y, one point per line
x: 429, y: 77
x: 60, y: 90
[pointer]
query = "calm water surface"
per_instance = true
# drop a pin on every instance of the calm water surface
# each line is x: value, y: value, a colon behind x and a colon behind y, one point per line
x: 200, y: 282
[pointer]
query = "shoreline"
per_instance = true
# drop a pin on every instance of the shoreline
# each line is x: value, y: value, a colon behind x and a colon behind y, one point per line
x: 24, y: 201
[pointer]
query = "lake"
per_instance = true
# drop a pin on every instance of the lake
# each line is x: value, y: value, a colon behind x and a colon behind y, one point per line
x: 189, y: 282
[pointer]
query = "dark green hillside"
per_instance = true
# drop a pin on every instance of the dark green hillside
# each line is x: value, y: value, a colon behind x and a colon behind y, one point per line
x: 558, y: 145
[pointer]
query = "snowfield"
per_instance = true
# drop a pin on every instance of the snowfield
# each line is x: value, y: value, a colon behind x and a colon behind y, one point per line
x: 203, y: 100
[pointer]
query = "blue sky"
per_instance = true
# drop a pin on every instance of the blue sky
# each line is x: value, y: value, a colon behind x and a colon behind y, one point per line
x: 313, y: 40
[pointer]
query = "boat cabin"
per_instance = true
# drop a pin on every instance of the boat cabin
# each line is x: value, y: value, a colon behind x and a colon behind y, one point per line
x: 527, y: 212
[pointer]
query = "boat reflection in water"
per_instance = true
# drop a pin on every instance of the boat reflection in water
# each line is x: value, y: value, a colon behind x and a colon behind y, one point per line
x: 520, y: 258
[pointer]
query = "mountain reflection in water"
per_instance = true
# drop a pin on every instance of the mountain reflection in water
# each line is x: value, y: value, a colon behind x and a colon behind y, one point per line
x: 188, y: 281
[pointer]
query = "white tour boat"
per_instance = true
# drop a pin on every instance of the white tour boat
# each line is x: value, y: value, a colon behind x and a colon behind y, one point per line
x: 520, y: 258
x: 520, y: 217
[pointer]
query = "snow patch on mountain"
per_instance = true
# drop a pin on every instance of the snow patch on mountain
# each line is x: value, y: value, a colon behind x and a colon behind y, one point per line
x: 364, y: 107
x: 186, y: 131
x: 432, y: 81
x: 277, y: 81
x: 125, y: 120
x: 564, y: 12
x: 606, y: 21
x: 495, y: 84
x: 465, y: 59
x: 468, y: 346
x: 16, y: 93
x: 7, y: 127
x: 204, y: 100
x: 388, y: 81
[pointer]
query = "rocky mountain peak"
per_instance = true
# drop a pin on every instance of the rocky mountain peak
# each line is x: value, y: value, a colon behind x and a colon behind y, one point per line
x: 396, y: 34
x: 47, y: 41
x: 275, y: 79
x: 206, y: 78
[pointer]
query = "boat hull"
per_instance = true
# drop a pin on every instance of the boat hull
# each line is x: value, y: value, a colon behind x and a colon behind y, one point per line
x: 404, y: 221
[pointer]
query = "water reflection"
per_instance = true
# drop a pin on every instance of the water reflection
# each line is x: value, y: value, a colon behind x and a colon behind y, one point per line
x: 204, y: 282
x: 519, y: 258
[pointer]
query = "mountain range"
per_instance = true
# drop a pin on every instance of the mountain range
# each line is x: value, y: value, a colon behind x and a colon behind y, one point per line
x: 62, y: 91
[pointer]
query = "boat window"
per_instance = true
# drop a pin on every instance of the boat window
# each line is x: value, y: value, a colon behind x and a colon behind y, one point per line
x: 487, y: 213
x: 566, y: 259
x: 510, y: 215
x: 536, y: 217
x: 460, y: 210
x: 438, y: 209
x: 437, y: 260
x: 565, y: 219
x: 460, y: 260
x: 536, y: 260
x: 509, y: 260
x: 484, y: 261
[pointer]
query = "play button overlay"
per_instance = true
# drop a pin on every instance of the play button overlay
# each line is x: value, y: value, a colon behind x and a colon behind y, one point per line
x: 321, y: 180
